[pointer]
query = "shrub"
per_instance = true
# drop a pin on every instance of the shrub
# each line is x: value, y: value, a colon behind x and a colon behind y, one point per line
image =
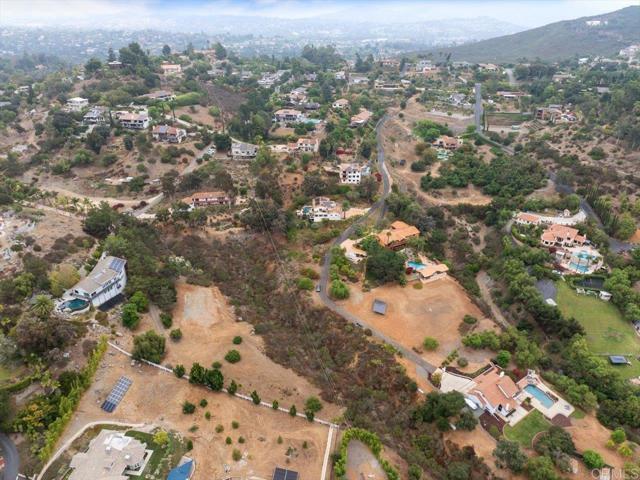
x: 469, y: 319
x: 228, y: 441
x: 176, y: 334
x: 462, y: 362
x: 618, y: 436
x: 293, y: 411
x: 237, y: 340
x: 235, y: 425
x: 216, y: 365
x: 148, y: 346
x: 503, y: 358
x: 592, y: 459
x: 232, y: 388
x: 275, y: 405
x: 625, y: 450
x: 241, y: 439
x: 305, y: 283
x: 188, y: 408
x: 255, y: 398
x: 207, y: 415
x: 232, y: 356
x: 140, y: 301
x: 279, y: 440
x: 204, y: 403
x: 130, y: 316
x: 166, y: 319
x: 339, y: 289
x: 219, y: 428
x: 430, y: 344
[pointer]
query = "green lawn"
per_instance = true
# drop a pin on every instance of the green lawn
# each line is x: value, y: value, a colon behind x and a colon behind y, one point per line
x: 527, y: 428
x: 163, y: 459
x: 607, y: 331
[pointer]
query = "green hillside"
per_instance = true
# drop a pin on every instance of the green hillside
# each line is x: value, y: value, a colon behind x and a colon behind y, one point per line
x: 556, y: 41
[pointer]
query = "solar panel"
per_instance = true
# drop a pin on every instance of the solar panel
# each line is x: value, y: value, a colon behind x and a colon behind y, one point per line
x: 284, y: 474
x: 116, y: 264
x: 116, y: 395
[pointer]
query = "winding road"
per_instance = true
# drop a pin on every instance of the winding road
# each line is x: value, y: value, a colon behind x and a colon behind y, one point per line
x: 11, y: 458
x: 378, y: 208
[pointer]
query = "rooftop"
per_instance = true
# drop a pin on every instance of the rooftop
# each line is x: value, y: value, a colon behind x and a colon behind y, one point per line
x: 105, y: 270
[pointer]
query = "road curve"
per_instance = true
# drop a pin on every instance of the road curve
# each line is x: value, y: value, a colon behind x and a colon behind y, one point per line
x: 378, y: 208
x: 12, y: 460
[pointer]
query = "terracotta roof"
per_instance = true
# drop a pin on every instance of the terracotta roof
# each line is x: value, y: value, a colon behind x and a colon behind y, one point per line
x: 496, y: 388
x: 528, y: 217
x: 398, y: 232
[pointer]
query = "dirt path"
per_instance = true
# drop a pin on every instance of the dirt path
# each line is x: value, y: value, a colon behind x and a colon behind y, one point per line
x: 485, y: 283
x: 362, y: 464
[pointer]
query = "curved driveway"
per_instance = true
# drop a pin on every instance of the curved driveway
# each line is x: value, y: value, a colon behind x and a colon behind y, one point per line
x: 11, y: 458
x: 378, y: 208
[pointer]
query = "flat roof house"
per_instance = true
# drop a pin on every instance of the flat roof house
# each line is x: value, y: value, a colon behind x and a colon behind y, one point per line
x: 288, y: 115
x: 110, y: 456
x: 106, y: 281
x: 352, y: 173
x: 171, y: 68
x: 243, y: 151
x: 524, y: 218
x: 162, y: 95
x: 205, y: 199
x: 133, y: 121
x: 96, y: 116
x: 562, y: 236
x: 322, y: 208
x: 165, y: 133
x: 340, y: 104
x: 396, y: 237
x: 308, y: 145
x: 76, y: 104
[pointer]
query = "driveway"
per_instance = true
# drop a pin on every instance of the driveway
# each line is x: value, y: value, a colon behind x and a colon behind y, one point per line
x: 11, y: 458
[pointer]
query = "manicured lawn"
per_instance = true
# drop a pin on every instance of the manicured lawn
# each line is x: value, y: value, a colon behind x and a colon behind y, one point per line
x: 527, y: 428
x: 607, y: 331
x: 163, y: 459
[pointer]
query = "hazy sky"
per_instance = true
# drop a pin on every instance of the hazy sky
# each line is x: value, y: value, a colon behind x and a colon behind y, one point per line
x: 525, y: 13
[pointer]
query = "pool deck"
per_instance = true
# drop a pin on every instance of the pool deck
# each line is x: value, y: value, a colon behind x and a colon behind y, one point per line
x: 560, y: 405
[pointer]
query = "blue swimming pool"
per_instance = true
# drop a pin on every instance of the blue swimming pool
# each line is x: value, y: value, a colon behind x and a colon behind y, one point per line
x: 539, y: 395
x: 416, y: 265
x: 579, y: 268
x: 75, y: 304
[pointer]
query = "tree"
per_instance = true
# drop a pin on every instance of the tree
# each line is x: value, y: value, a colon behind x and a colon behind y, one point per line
x: 221, y: 52
x: 415, y: 472
x: 232, y: 388
x: 338, y: 289
x: 175, y: 334
x: 188, y: 408
x: 222, y: 141
x: 140, y: 301
x: 541, y: 468
x: 166, y: 50
x: 42, y: 307
x: 314, y: 185
x: 99, y: 220
x: 161, y: 438
x: 618, y: 436
x: 214, y: 379
x: 92, y: 66
x: 111, y: 56
x: 509, y: 454
x: 255, y: 398
x: 626, y: 226
x: 233, y: 356
x: 430, y: 344
x: 179, y: 370
x: 130, y: 316
x: 128, y: 143
x: 312, y: 405
x: 592, y: 459
x: 467, y: 421
x: 149, y: 346
x: 33, y: 335
x: 293, y: 411
x: 368, y: 188
x: 554, y: 442
x: 384, y: 265
x: 503, y: 358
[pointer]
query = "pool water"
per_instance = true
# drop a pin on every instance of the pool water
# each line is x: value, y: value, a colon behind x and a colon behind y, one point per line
x: 416, y: 265
x: 579, y: 268
x: 585, y: 256
x: 539, y: 395
x: 75, y: 304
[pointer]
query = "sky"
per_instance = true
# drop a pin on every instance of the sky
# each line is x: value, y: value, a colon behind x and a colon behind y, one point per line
x: 95, y: 13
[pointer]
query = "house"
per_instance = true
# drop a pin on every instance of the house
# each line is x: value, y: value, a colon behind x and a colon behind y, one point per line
x: 392, y: 63
x: 387, y: 86
x: 106, y: 281
x: 422, y: 65
x: 549, y: 114
x: 340, y: 104
x: 426, y: 270
x: 341, y: 75
x: 165, y: 133
x: 171, y: 68
x: 288, y: 115
x: 243, y: 151
x: 445, y: 141
x: 310, y: 105
x: 395, y: 237
x: 321, y: 208
x: 76, y: 104
x: 352, y: 251
x: 298, y: 95
x: 511, y: 95
x: 361, y: 118
x: 133, y: 121
x: 96, y: 116
x: 488, y: 67
x: 207, y: 199
x: 308, y: 145
x: 524, y: 218
x: 111, y: 455
x: 562, y: 236
x: 358, y: 80
x: 115, y: 65
x: 351, y: 173
x: 161, y: 95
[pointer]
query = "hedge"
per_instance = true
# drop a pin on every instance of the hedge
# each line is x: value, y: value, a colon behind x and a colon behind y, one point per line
x: 186, y: 99
x: 16, y: 387
x: 69, y: 403
x: 372, y: 441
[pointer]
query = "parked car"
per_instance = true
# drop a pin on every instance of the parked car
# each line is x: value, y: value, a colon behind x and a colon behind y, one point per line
x: 318, y: 288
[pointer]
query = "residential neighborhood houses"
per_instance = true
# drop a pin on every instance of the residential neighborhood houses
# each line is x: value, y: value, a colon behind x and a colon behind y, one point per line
x: 322, y: 208
x: 243, y: 151
x: 165, y: 133
x: 361, y: 118
x: 340, y: 104
x: 351, y: 173
x: 76, y: 104
x: 396, y: 237
x: 132, y: 120
x: 288, y: 115
x: 207, y: 199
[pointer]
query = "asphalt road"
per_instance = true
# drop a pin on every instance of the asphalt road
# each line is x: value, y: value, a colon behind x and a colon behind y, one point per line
x: 11, y: 458
x: 379, y: 209
x: 477, y: 108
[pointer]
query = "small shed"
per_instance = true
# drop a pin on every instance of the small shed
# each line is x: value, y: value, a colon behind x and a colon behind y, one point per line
x: 619, y: 360
x: 379, y: 307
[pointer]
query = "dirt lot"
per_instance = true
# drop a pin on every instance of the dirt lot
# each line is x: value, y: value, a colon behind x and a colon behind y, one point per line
x: 361, y: 463
x: 201, y: 115
x: 589, y: 434
x: 208, y: 326
x: 416, y: 111
x: 434, y: 311
x: 155, y: 397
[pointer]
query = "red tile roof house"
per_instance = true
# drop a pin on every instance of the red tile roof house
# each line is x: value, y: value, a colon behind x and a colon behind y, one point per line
x: 396, y: 237
x: 206, y: 199
x: 165, y: 133
x: 450, y: 143
x: 562, y: 236
x: 524, y: 218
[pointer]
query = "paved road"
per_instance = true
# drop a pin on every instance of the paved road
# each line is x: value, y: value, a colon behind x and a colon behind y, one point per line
x: 477, y: 108
x: 512, y: 78
x: 11, y: 458
x: 379, y: 209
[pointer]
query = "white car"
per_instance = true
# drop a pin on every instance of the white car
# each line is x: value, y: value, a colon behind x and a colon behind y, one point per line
x: 210, y: 151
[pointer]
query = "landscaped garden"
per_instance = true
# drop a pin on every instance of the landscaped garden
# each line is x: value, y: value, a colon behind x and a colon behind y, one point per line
x: 607, y: 331
x: 527, y: 428
x: 166, y: 454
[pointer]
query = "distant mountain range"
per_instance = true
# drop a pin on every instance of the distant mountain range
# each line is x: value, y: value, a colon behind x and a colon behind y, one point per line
x: 599, y: 35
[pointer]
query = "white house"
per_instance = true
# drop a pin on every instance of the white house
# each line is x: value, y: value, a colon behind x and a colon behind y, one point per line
x: 96, y: 116
x: 307, y: 145
x: 288, y: 115
x: 351, y: 173
x: 133, y: 121
x: 106, y: 281
x: 321, y: 208
x: 171, y: 68
x: 76, y: 104
x: 361, y: 118
x: 243, y: 151
x: 340, y: 104
x: 165, y: 133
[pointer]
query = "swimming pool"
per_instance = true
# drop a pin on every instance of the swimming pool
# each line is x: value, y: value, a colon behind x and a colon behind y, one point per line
x: 75, y: 304
x: 416, y: 265
x: 539, y: 395
x: 579, y: 268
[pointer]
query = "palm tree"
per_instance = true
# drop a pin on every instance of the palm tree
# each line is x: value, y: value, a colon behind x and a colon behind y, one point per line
x: 42, y: 306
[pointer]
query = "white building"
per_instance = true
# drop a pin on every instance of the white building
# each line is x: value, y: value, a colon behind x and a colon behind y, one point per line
x: 288, y: 115
x: 96, y: 116
x: 76, y: 104
x: 106, y: 281
x: 243, y: 151
x: 351, y: 173
x: 340, y: 104
x: 307, y: 145
x: 321, y: 208
x: 171, y: 68
x: 166, y: 133
x: 133, y: 121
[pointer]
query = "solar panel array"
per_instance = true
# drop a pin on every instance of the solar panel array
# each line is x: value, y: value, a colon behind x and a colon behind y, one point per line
x: 284, y: 474
x: 116, y: 395
x: 116, y: 264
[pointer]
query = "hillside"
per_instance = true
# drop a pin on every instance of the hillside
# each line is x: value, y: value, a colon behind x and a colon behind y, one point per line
x: 556, y: 41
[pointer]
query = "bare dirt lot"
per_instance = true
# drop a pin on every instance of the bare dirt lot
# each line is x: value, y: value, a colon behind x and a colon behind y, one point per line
x: 361, y: 463
x: 415, y: 111
x: 434, y: 311
x: 589, y: 434
x: 155, y: 397
x: 208, y: 326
